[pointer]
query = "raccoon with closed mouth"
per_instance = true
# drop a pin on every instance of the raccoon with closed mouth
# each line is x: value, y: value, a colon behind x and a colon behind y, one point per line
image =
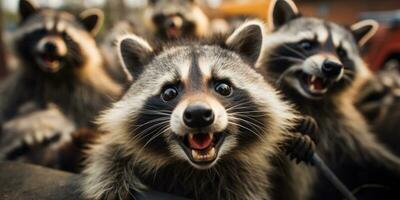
x: 193, y: 123
x: 61, y: 65
x: 317, y: 66
x: 174, y: 19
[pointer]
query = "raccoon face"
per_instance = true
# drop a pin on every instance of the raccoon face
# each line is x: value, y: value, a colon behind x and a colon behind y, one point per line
x: 314, y: 57
x: 194, y: 102
x: 53, y: 39
x: 173, y: 19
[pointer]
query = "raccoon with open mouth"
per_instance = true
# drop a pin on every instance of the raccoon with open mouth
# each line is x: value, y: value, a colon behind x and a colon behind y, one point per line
x: 195, y: 123
x: 317, y: 66
x: 60, y: 65
x: 174, y: 19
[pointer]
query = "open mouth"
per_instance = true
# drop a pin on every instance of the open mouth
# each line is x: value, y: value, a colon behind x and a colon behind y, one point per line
x: 314, y: 85
x: 202, y: 148
x: 48, y: 62
x: 174, y: 32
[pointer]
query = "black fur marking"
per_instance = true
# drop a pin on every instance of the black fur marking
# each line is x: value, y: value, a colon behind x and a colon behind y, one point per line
x: 195, y: 75
x: 329, y: 46
x: 26, y: 45
x: 286, y: 55
x: 150, y: 126
x: 283, y: 57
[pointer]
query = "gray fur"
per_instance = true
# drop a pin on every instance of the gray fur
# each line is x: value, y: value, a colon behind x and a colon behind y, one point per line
x: 120, y: 165
x: 79, y: 89
x: 345, y: 144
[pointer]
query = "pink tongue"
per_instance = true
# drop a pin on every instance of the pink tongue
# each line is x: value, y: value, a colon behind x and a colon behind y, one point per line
x: 200, y: 141
x: 317, y: 83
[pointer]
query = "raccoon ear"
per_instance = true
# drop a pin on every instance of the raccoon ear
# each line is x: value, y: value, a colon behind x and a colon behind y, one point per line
x: 92, y: 19
x: 247, y: 40
x: 133, y: 51
x: 280, y: 12
x: 27, y: 8
x: 364, y: 30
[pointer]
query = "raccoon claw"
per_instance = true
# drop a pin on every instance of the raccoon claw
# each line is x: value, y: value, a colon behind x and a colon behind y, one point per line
x: 300, y: 148
x: 33, y: 130
x: 308, y: 126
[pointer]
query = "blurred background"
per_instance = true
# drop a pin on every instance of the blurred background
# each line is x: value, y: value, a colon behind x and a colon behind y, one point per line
x: 385, y: 47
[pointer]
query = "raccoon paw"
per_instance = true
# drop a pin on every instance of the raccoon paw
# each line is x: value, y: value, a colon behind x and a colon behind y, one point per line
x: 300, y: 148
x: 39, y: 128
x: 308, y: 126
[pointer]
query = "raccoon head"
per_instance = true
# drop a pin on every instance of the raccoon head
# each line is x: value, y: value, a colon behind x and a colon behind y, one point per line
x: 51, y: 40
x: 313, y: 57
x: 194, y: 102
x: 173, y: 19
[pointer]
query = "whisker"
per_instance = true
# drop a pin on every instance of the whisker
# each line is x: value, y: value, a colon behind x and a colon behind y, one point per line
x: 238, y: 104
x: 252, y: 124
x: 145, y: 132
x: 294, y: 51
x: 151, y: 121
x: 251, y: 131
x: 285, y: 58
x: 261, y: 114
x: 159, y: 132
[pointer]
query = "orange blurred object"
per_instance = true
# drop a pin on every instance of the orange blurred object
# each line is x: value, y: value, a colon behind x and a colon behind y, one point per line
x: 256, y: 8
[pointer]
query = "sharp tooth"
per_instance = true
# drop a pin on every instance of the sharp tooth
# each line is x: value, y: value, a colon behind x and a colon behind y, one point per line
x: 190, y: 135
x: 211, y: 136
x: 312, y: 87
x: 195, y: 155
x: 211, y: 153
x: 313, y: 78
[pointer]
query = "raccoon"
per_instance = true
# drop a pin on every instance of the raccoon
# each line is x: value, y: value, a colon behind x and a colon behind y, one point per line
x: 317, y: 66
x: 193, y: 123
x: 173, y: 19
x: 61, y: 65
x: 379, y: 102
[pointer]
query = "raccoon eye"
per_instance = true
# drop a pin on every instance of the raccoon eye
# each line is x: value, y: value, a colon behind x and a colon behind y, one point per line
x: 306, y: 45
x: 169, y: 93
x: 223, y: 89
x: 341, y: 52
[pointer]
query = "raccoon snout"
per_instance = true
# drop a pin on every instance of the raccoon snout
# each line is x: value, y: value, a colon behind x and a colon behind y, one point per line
x: 331, y: 69
x: 174, y: 22
x: 53, y: 46
x: 198, y: 115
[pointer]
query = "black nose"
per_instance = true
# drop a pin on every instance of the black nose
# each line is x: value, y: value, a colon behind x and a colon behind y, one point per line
x: 198, y: 115
x: 170, y: 23
x: 331, y: 69
x: 50, y: 47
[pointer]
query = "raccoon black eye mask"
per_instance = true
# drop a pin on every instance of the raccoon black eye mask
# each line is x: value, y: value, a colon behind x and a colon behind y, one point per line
x: 197, y: 121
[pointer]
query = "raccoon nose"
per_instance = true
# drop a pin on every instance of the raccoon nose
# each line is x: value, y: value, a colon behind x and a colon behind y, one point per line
x: 171, y: 23
x: 331, y: 69
x: 198, y: 115
x: 50, y: 47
